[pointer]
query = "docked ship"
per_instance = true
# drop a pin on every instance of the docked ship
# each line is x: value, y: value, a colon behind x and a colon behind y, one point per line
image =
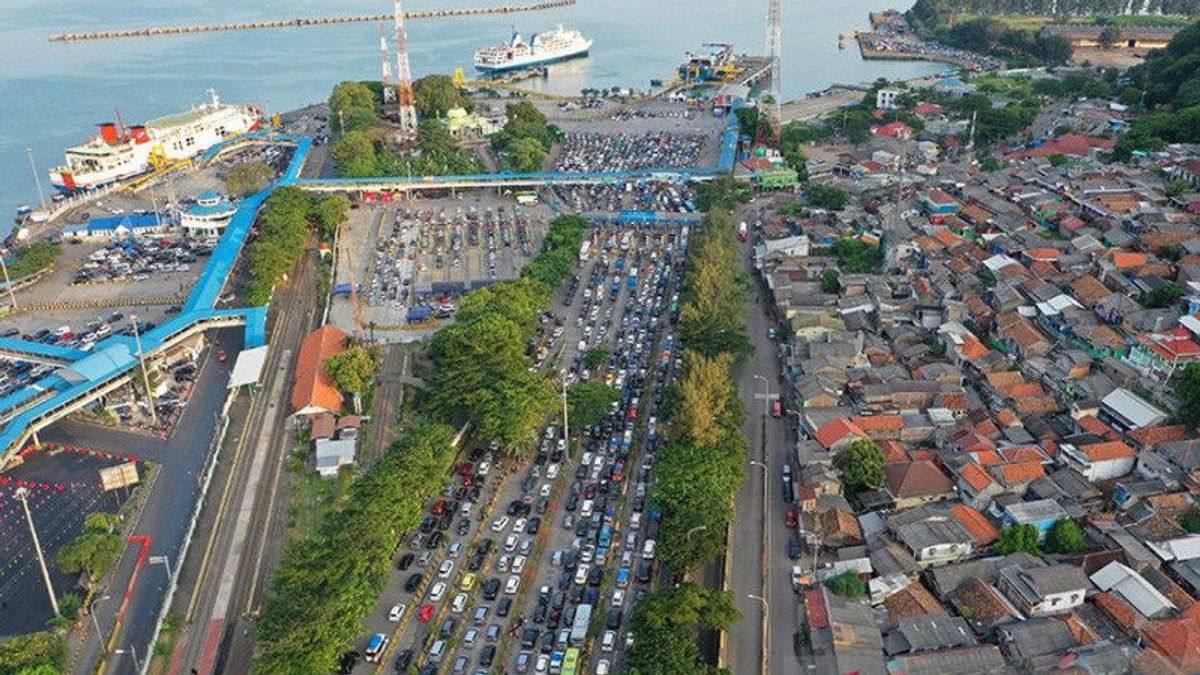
x: 542, y: 48
x: 119, y: 153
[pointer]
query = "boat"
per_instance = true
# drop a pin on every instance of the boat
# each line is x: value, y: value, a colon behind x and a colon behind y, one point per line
x: 121, y: 153
x: 656, y: 83
x: 550, y: 47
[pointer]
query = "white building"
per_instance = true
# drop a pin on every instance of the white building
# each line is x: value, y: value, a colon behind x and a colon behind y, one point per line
x: 207, y: 217
x: 332, y: 455
x: 885, y: 99
x: 1100, y: 461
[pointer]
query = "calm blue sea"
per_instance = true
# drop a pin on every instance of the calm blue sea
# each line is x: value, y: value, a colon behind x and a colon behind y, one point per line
x: 52, y: 95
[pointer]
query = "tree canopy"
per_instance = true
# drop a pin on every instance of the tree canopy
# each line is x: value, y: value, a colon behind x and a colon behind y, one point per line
x: 436, y: 94
x: 589, y: 401
x: 356, y: 104
x: 1019, y: 538
x: 1065, y: 537
x: 353, y: 371
x: 665, y: 623
x: 861, y: 464
x: 711, y: 319
x: 1187, y: 388
x: 39, y: 653
x: 248, y: 178
x: 95, y: 551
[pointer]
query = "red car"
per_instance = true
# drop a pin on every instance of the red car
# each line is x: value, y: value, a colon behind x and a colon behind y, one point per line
x: 790, y: 518
x: 425, y: 614
x: 222, y: 356
x: 468, y: 479
x: 439, y: 507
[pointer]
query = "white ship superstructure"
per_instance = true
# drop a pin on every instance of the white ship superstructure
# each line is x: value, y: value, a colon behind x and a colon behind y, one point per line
x: 555, y: 45
x: 119, y: 153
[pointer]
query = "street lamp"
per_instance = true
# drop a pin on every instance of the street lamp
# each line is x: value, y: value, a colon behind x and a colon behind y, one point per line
x: 766, y: 613
x: 96, y: 622
x: 23, y: 495
x: 132, y: 651
x: 12, y: 296
x: 766, y: 393
x: 688, y: 536
x: 166, y: 563
x: 137, y: 336
x: 766, y: 548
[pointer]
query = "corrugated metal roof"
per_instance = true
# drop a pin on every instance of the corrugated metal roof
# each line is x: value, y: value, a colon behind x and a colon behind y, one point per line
x: 1131, y: 586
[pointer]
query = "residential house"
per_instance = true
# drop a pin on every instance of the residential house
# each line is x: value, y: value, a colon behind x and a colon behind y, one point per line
x: 1177, y: 639
x: 1134, y: 589
x: 1043, y: 591
x: 936, y: 541
x: 1042, y: 514
x: 1099, y: 461
x: 915, y: 483
x: 313, y: 391
x: 1159, y: 354
x: 842, y: 634
x: 1125, y: 411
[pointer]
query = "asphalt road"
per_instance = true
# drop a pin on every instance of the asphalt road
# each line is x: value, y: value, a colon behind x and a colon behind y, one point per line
x: 744, y: 651
x: 168, y: 508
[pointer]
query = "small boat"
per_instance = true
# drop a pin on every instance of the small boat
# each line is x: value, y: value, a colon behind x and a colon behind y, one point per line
x: 656, y: 83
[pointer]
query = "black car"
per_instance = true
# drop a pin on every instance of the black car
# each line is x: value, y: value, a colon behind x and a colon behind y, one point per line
x: 405, y: 561
x: 503, y: 607
x: 613, y: 619
x: 414, y: 581
x: 348, y: 661
x: 484, y: 547
x: 464, y: 526
x: 475, y: 563
x: 572, y: 502
x: 487, y: 655
x: 529, y: 637
x: 595, y: 576
x: 795, y: 548
x: 448, y: 627
x: 490, y: 588
x: 445, y: 520
x: 404, y: 660
x: 539, y: 613
x: 434, y: 540
x: 643, y: 571
x: 546, y: 645
x: 581, y: 471
x: 533, y: 525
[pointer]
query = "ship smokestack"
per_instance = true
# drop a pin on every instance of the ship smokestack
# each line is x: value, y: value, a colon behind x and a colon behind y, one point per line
x: 108, y: 132
x: 139, y: 134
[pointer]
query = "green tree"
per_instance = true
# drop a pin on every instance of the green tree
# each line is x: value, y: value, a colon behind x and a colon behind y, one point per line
x: 830, y: 282
x: 707, y: 398
x: 861, y: 465
x: 1065, y: 537
x: 355, y: 156
x: 1166, y: 295
x: 248, y: 178
x: 524, y: 120
x: 1057, y: 159
x: 856, y: 256
x: 331, y: 213
x: 31, y: 259
x: 1177, y: 187
x: 1187, y: 388
x: 589, y: 402
x: 711, y: 317
x: 848, y: 585
x: 827, y: 197
x: 525, y: 155
x: 436, y: 94
x: 353, y: 371
x: 665, y: 623
x: 596, y: 356
x: 722, y: 193
x: 1190, y: 521
x: 33, y: 654
x: 1019, y: 538
x: 95, y: 551
x: 520, y: 301
x: 356, y: 104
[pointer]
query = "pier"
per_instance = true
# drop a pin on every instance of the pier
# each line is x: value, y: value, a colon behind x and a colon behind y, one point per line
x: 155, y: 31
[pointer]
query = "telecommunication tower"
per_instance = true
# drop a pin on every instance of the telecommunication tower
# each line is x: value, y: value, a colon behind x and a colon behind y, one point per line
x: 385, y: 54
x: 406, y: 110
x: 774, y: 51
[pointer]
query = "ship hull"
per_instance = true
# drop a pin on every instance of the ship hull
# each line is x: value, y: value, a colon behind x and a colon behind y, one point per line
x: 531, y: 62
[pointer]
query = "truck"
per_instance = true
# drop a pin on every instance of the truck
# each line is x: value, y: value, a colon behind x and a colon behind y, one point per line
x: 742, y: 231
x: 419, y: 313
x: 632, y: 281
x: 584, y: 250
x: 579, y: 629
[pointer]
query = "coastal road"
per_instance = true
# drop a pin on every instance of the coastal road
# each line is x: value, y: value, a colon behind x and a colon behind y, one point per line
x: 744, y: 653
x: 246, y: 517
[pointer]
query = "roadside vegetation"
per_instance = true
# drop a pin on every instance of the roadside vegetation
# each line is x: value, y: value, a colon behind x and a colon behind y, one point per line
x: 353, y: 372
x: 248, y: 178
x: 94, y: 552
x: 665, y: 624
x: 481, y: 368
x: 1018, y: 45
x: 41, y: 653
x: 284, y: 224
x: 327, y: 583
x: 1168, y: 84
x: 526, y: 138
x: 31, y: 259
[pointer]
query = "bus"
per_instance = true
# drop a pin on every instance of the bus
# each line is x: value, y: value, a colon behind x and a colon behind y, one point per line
x: 527, y: 196
x: 570, y: 664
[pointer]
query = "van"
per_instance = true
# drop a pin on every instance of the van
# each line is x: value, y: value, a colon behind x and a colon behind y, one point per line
x: 648, y: 550
x: 437, y: 651
x: 465, y: 509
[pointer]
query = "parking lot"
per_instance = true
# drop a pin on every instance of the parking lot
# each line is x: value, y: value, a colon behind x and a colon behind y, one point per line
x: 426, y: 253
x: 505, y: 562
x: 63, y: 487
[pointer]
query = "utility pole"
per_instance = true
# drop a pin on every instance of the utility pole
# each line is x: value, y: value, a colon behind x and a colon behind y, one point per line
x: 37, y: 180
x: 137, y: 336
x: 566, y: 429
x: 23, y: 495
x: 12, y: 296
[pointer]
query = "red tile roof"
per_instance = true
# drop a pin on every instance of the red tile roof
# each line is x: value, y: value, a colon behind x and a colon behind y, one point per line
x: 974, y: 476
x: 1128, y: 259
x: 1067, y: 144
x: 1150, y: 436
x: 814, y: 608
x: 893, y: 451
x: 1016, y: 473
x: 878, y: 423
x: 1100, y: 452
x: 833, y: 432
x: 976, y: 523
x: 1177, y: 639
x: 1024, y: 453
x: 916, y: 479
x: 313, y: 389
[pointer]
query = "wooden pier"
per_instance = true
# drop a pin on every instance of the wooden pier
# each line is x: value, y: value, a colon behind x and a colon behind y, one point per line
x: 155, y: 31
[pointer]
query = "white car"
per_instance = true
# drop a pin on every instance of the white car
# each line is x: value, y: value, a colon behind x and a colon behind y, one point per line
x: 543, y: 663
x: 502, y: 563
x: 510, y: 542
x: 547, y: 488
x: 609, y: 641
x: 581, y: 574
x: 438, y: 591
x: 396, y: 612
x: 513, y: 583
x: 603, y: 667
x: 552, y: 472
x: 446, y: 569
x: 618, y: 598
x: 518, y: 564
x: 519, y: 524
x: 459, y: 603
x: 499, y: 524
x: 483, y: 468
